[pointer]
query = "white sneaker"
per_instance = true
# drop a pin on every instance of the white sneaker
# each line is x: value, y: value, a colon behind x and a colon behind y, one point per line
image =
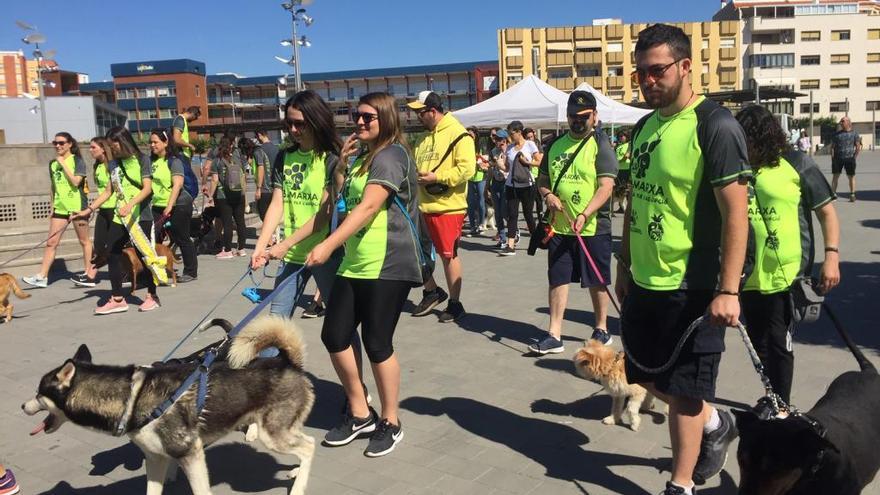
x: 36, y: 281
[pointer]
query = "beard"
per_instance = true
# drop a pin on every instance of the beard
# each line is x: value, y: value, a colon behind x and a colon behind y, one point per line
x: 659, y: 97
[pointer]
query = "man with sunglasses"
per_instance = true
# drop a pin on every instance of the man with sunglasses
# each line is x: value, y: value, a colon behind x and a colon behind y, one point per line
x: 575, y: 179
x: 685, y: 235
x: 446, y: 159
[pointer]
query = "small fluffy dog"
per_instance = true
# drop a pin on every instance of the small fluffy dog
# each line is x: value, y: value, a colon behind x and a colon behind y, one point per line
x: 8, y: 286
x: 596, y: 361
x: 131, y: 263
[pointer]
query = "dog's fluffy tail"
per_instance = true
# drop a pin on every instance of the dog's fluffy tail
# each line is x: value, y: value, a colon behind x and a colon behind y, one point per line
x: 262, y: 333
x: 864, y: 364
x: 16, y: 289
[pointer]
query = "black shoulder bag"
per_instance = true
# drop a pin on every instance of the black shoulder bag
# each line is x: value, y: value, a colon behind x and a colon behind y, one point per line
x: 543, y: 231
x: 437, y: 188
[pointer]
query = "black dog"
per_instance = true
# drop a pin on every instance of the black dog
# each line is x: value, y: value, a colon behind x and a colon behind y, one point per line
x: 830, y: 449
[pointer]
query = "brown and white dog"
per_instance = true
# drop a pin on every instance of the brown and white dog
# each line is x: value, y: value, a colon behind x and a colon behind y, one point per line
x: 596, y: 361
x: 132, y: 264
x: 8, y: 286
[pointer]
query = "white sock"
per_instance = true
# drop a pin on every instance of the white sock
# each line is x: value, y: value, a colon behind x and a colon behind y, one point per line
x: 688, y: 490
x: 714, y: 422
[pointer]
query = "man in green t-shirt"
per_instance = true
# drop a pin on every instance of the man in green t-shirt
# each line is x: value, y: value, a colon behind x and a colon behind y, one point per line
x: 576, y: 177
x: 180, y: 128
x: 685, y: 234
x: 621, y: 185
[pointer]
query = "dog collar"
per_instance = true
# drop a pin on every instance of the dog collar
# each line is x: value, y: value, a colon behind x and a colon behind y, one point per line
x: 820, y: 430
x: 137, y: 381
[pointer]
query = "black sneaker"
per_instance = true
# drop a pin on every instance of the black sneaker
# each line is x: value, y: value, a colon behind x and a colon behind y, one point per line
x: 430, y: 300
x: 384, y: 439
x: 602, y: 336
x: 676, y: 490
x: 83, y: 281
x: 550, y: 345
x: 315, y: 310
x: 507, y: 251
x: 713, y: 449
x: 453, y: 312
x: 350, y: 428
x: 186, y: 278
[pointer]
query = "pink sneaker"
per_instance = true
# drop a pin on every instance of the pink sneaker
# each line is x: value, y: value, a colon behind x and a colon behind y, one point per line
x: 149, y: 304
x: 224, y: 255
x: 112, y: 306
x: 240, y: 252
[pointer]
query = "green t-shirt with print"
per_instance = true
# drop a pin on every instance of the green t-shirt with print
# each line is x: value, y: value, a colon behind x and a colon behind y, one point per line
x: 67, y: 198
x: 784, y: 196
x: 302, y: 177
x: 622, y: 160
x: 677, y: 163
x: 161, y: 182
x: 102, y: 179
x: 580, y: 182
x: 132, y: 171
x: 385, y: 248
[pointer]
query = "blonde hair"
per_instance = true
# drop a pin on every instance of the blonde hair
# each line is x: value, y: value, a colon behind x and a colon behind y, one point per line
x: 390, y: 132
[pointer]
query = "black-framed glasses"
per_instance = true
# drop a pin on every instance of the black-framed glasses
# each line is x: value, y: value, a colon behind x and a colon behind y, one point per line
x: 59, y: 143
x: 655, y: 72
x: 367, y: 117
x: 298, y: 123
x: 423, y: 111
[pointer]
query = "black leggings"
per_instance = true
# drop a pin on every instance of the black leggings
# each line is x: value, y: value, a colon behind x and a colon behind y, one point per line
x: 232, y: 207
x: 180, y: 235
x: 117, y: 238
x: 768, y: 317
x: 103, y: 221
x: 516, y: 196
x: 375, y: 305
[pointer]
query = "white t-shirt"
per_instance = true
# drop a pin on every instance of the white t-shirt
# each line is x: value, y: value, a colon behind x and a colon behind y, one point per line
x: 528, y: 150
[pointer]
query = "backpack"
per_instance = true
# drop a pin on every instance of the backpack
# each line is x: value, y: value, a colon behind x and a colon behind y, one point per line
x: 233, y: 176
x: 190, y: 181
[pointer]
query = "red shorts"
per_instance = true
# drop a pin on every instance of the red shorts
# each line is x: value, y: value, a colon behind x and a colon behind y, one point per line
x: 445, y: 231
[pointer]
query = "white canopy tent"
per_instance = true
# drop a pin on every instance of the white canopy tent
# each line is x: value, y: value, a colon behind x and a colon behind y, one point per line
x: 611, y: 111
x: 531, y: 101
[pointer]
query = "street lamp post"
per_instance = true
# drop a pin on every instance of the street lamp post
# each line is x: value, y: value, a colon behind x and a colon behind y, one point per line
x: 297, y: 15
x: 35, y: 39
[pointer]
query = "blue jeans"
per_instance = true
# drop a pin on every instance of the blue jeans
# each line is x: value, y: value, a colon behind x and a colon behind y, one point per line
x: 476, y: 201
x: 500, y: 201
x: 285, y: 302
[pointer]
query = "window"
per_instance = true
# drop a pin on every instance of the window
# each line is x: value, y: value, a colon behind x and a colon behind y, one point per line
x: 198, y: 91
x: 772, y: 60
x: 165, y: 91
x: 872, y: 105
x: 838, y: 106
x: 811, y: 35
x: 149, y: 93
x: 839, y: 83
x: 811, y: 59
x: 166, y: 113
x: 840, y: 58
x: 874, y: 58
x: 873, y: 82
x: 564, y: 73
x: 705, y: 43
x: 614, y: 47
x: 805, y: 108
x: 514, y: 51
x: 705, y: 68
x: 615, y: 71
x: 842, y: 35
x: 589, y: 70
x: 874, y: 34
x: 809, y: 84
x: 132, y: 115
x: 727, y: 43
x: 816, y: 9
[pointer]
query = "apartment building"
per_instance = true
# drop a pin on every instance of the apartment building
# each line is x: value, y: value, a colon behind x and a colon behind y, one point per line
x: 602, y: 54
x: 13, y: 74
x: 828, y: 50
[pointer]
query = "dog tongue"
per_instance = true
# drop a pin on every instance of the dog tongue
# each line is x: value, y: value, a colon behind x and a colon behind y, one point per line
x: 40, y: 427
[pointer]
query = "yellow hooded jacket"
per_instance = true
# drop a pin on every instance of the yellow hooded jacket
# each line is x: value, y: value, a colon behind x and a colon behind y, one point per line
x: 454, y: 172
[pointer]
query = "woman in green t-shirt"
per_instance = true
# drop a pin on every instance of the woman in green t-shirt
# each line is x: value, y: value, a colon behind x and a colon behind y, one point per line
x: 380, y: 266
x: 786, y: 188
x: 67, y: 174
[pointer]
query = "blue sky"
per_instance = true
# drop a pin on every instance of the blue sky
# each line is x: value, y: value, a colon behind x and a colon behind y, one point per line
x: 242, y: 35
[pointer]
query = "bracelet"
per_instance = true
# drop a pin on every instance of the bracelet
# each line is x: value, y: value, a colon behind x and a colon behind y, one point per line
x: 832, y: 249
x: 719, y: 292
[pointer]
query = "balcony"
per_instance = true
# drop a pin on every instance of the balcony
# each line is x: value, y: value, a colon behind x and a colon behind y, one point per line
x: 588, y: 58
x: 588, y: 33
x: 705, y: 54
x: 563, y: 84
x: 614, y: 58
x: 513, y: 36
x: 707, y: 29
x: 614, y: 31
x: 771, y: 76
x: 560, y: 58
x: 635, y: 29
x: 727, y: 53
x: 615, y: 82
x: 514, y: 61
x: 770, y: 24
x: 729, y: 28
x: 595, y: 81
x: 706, y: 79
x: 726, y: 77
x: 558, y: 34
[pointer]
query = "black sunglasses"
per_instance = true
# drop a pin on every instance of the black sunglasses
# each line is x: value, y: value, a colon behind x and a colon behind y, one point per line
x: 367, y: 117
x: 299, y: 124
x: 59, y: 143
x: 655, y: 72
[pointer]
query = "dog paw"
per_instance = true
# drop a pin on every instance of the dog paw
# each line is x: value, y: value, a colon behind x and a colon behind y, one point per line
x: 252, y: 432
x: 634, y: 426
x: 609, y: 420
x: 294, y: 472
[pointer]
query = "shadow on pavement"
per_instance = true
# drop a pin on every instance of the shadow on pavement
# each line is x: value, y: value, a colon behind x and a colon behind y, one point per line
x: 865, y: 195
x: 495, y: 329
x: 240, y: 466
x: 555, y: 446
x: 329, y: 398
x: 873, y: 224
x: 476, y: 246
x: 582, y: 317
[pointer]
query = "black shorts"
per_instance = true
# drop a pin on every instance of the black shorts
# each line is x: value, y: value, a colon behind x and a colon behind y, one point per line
x: 847, y: 164
x: 567, y: 263
x: 61, y: 216
x: 651, y: 326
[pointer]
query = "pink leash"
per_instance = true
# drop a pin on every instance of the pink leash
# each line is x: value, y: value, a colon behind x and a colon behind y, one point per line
x: 592, y: 263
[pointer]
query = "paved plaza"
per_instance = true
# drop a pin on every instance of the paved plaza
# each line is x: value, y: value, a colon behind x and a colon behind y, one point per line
x: 480, y: 416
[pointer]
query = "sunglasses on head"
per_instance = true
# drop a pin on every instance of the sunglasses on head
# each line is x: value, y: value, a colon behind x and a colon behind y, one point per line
x: 367, y: 117
x: 59, y: 143
x: 299, y: 124
x: 655, y: 72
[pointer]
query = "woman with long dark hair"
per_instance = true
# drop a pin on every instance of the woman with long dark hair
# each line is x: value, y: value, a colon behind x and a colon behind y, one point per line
x: 228, y: 191
x: 303, y: 199
x: 171, y: 202
x: 380, y: 266
x: 787, y: 187
x: 67, y: 173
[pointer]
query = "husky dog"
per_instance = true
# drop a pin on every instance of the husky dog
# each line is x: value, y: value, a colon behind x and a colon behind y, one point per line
x: 274, y: 393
